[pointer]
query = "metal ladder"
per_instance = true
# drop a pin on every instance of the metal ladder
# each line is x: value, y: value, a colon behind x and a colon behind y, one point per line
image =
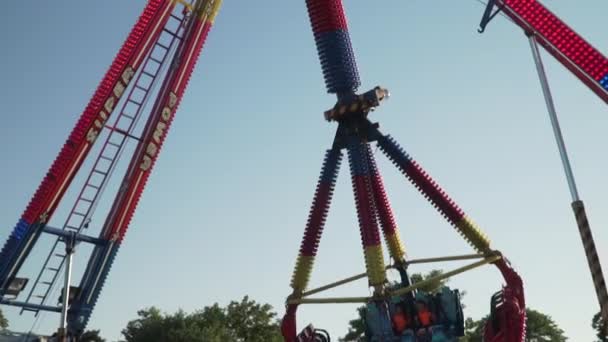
x: 113, y: 146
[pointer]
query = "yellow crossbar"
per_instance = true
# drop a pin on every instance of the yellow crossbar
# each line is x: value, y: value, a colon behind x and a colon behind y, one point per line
x: 469, y: 267
x: 338, y: 283
x: 448, y: 258
x: 350, y: 300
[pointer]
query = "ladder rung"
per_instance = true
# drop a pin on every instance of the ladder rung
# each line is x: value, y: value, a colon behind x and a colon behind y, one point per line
x: 125, y: 133
x: 60, y: 255
x: 71, y: 227
x: 113, y: 154
x: 176, y: 17
x: 29, y: 309
x: 93, y: 186
x: 113, y: 144
x: 173, y: 34
x: 139, y: 103
x: 46, y: 283
x: 157, y: 61
x: 123, y: 115
x: 148, y: 74
x: 39, y: 296
x: 86, y: 200
x: 121, y: 131
x: 118, y: 131
x: 133, y: 101
x: 103, y: 173
x: 140, y: 87
x: 163, y: 46
x: 79, y: 214
x: 105, y: 158
x: 53, y: 269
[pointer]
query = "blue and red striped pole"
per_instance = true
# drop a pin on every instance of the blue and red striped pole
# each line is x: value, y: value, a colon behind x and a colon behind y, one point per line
x: 435, y: 194
x: 366, y: 212
x: 385, y: 212
x: 312, y: 236
x: 341, y: 77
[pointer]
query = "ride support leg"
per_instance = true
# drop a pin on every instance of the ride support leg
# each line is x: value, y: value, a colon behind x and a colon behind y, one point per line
x: 435, y: 194
x: 385, y: 212
x: 312, y: 235
x: 364, y: 200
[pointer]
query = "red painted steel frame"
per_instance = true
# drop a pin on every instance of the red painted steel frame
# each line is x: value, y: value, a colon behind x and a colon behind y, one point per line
x: 79, y: 143
x: 154, y: 135
x: 511, y: 313
x: 577, y: 55
x: 74, y: 151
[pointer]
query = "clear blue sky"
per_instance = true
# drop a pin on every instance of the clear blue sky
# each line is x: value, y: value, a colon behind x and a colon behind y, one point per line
x: 225, y: 208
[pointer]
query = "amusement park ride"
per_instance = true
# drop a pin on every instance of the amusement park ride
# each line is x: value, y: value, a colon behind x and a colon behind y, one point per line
x: 401, y: 312
x: 154, y: 65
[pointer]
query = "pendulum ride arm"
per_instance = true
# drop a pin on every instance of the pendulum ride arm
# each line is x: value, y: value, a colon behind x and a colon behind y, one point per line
x: 316, y: 220
x: 364, y: 202
x: 155, y: 131
x: 435, y: 195
x: 341, y: 77
x: 82, y: 137
x: 312, y: 235
x: 577, y: 55
x: 386, y: 217
x: 335, y: 51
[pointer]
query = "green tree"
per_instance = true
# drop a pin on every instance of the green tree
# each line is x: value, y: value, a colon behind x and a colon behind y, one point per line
x: 433, y: 286
x: 91, y: 336
x: 473, y: 330
x: 356, y: 327
x: 539, y: 328
x: 600, y: 327
x: 251, y: 321
x: 239, y: 322
x: 3, y: 321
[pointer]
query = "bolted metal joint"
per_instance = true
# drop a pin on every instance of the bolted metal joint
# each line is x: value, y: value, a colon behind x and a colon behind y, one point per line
x: 357, y: 104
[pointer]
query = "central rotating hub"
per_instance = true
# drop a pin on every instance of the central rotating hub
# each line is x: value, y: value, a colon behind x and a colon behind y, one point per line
x: 357, y: 104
